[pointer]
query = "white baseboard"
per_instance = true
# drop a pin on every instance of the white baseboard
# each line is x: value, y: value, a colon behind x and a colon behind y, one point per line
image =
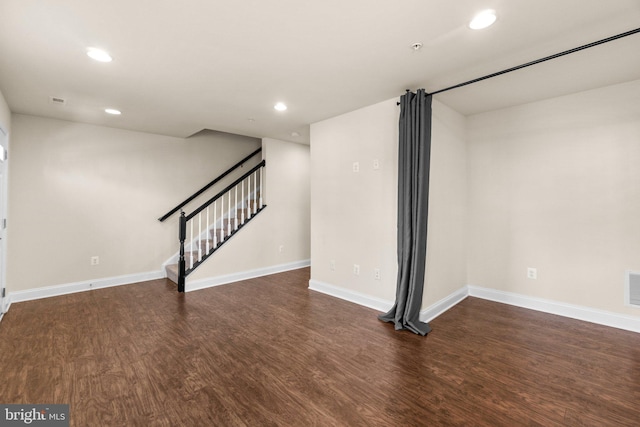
x: 601, y: 317
x: 435, y: 310
x: 244, y: 275
x: 426, y: 315
x: 69, y: 288
x: 6, y: 304
x: 351, y: 296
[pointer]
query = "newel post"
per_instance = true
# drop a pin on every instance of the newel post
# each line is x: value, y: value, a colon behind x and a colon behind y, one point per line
x: 181, y: 264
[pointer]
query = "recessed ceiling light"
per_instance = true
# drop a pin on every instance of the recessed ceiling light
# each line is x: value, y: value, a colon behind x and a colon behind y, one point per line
x: 280, y: 106
x: 295, y: 134
x: 416, y: 46
x: 483, y: 20
x: 112, y: 111
x: 99, y: 54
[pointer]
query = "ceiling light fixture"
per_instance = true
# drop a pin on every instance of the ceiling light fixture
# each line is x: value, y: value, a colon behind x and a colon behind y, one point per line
x: 280, y: 106
x: 98, y: 54
x: 112, y: 111
x: 483, y: 20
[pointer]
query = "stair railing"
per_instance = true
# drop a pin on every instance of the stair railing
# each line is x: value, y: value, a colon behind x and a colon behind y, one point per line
x: 209, y: 185
x: 211, y: 225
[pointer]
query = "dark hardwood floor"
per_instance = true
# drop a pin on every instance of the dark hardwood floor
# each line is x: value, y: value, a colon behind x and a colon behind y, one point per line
x: 270, y: 352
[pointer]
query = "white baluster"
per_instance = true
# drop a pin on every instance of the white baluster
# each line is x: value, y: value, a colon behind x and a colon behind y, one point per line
x: 255, y: 193
x: 215, y: 225
x: 242, y: 204
x: 200, y: 236
x: 235, y: 211
x: 208, y: 232
x: 222, y: 228
x: 229, y: 213
x: 249, y: 197
x: 261, y: 188
x: 191, y: 246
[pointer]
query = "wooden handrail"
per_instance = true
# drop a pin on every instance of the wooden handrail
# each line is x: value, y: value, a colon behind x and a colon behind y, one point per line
x: 209, y: 185
x: 227, y: 188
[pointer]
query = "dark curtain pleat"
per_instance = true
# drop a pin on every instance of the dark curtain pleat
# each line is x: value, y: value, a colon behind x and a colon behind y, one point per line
x: 414, y: 153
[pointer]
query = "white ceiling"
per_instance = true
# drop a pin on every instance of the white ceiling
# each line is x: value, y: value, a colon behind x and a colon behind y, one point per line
x: 183, y: 66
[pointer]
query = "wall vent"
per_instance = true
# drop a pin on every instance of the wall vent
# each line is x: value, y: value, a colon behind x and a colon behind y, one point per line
x: 55, y: 100
x: 633, y: 288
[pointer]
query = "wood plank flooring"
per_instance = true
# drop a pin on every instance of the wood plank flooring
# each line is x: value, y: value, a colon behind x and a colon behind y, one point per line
x: 270, y: 352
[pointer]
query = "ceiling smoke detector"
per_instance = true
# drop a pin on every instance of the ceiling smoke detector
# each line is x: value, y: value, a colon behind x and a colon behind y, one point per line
x: 56, y: 100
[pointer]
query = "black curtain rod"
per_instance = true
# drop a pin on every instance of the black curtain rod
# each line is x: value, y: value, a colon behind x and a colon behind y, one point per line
x: 538, y: 61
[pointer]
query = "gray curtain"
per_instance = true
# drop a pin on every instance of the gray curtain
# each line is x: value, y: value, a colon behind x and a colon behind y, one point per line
x: 414, y: 154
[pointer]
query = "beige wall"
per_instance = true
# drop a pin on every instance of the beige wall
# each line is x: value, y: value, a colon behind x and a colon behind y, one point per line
x: 78, y: 191
x: 552, y: 185
x: 5, y: 125
x: 353, y: 215
x: 5, y: 114
x: 555, y: 185
x: 284, y: 223
x: 447, y: 233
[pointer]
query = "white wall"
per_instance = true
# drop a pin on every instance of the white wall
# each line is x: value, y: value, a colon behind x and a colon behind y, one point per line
x: 5, y: 115
x: 5, y: 125
x: 447, y: 232
x: 285, y: 222
x: 555, y: 185
x: 354, y: 215
x: 78, y: 191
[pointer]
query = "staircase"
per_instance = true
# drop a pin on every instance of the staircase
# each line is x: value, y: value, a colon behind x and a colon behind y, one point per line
x: 206, y: 229
x: 202, y: 248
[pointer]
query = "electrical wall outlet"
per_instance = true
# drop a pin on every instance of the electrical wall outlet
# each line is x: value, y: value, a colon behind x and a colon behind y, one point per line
x: 95, y: 260
x: 356, y: 269
x: 376, y: 164
x: 332, y: 265
x: 376, y: 273
x: 356, y: 166
x: 532, y: 273
x: 281, y: 248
